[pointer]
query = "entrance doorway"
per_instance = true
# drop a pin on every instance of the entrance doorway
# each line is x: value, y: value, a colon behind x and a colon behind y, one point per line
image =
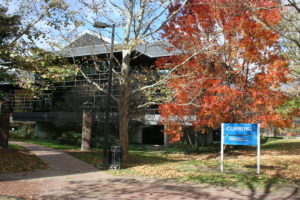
x: 153, y: 135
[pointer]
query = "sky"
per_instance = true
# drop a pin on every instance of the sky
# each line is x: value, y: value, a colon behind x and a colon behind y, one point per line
x: 32, y: 9
x: 101, y: 10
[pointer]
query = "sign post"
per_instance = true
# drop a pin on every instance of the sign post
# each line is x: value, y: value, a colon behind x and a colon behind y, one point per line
x: 258, y: 149
x: 222, y: 147
x: 240, y: 134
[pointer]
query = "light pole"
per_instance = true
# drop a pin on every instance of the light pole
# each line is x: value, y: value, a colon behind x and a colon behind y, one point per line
x: 99, y: 24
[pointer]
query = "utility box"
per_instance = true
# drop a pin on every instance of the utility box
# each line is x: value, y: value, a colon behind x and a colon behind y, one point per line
x: 114, y: 157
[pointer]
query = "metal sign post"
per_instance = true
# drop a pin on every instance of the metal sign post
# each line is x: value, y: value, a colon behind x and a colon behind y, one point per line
x: 258, y: 149
x: 222, y: 147
x: 240, y: 134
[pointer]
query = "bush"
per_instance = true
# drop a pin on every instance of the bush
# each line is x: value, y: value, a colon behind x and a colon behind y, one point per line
x: 266, y: 139
x: 71, y: 138
x: 97, y: 142
x: 24, y: 132
x: 53, y: 135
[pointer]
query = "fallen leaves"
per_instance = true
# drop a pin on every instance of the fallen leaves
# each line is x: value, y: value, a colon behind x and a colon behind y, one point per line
x: 280, y: 164
x: 15, y: 160
x: 92, y: 157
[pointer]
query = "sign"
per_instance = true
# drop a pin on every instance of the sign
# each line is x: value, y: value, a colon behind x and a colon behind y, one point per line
x: 240, y: 134
x: 240, y: 140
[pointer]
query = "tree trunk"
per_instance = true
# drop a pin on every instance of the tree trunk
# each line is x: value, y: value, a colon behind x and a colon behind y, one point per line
x: 87, y: 123
x: 123, y: 104
x: 4, y: 126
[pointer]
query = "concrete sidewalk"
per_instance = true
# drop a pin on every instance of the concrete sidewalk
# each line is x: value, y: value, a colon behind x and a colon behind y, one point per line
x: 70, y: 178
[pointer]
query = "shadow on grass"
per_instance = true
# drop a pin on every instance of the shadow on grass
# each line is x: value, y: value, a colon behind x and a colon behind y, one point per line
x: 136, y: 158
x: 290, y: 146
x: 144, y: 158
x: 259, y: 187
x: 176, y: 148
x: 267, y: 167
x: 269, y: 185
x: 116, y: 187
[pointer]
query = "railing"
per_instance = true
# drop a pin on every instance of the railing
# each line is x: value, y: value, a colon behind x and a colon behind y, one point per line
x: 69, y: 102
x: 69, y: 95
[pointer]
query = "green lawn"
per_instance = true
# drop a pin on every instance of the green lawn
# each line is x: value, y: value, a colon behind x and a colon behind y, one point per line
x: 49, y: 143
x: 280, y: 164
x: 15, y: 146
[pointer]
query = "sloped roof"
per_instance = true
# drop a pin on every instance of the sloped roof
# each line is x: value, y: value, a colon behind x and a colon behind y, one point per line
x: 86, y: 51
x: 91, y: 43
x: 2, y: 62
x: 156, y: 49
x: 3, y: 67
x: 88, y: 38
x: 152, y: 50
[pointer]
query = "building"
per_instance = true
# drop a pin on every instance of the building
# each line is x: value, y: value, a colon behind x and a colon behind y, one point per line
x: 58, y: 108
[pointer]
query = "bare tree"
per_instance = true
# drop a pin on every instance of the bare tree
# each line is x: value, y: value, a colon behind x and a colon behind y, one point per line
x: 137, y: 22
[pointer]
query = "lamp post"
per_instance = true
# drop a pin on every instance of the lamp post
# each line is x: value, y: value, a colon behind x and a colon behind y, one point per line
x: 102, y: 25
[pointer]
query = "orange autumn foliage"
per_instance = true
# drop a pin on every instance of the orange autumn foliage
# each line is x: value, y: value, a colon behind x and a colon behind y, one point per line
x: 236, y: 73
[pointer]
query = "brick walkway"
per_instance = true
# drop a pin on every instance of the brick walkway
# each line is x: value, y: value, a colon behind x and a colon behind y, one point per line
x: 70, y: 178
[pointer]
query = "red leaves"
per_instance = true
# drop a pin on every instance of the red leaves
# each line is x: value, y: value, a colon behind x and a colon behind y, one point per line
x: 233, y: 77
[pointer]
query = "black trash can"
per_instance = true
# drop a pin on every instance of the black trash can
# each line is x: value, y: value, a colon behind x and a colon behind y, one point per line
x: 114, y: 157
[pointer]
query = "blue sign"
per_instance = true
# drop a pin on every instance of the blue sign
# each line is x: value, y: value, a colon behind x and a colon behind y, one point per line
x: 240, y: 134
x: 240, y: 140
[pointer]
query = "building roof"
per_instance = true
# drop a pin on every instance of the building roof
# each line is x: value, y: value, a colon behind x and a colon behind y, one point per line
x: 91, y: 43
x: 88, y: 38
x: 3, y: 62
x: 156, y: 49
x: 22, y: 75
x: 152, y: 50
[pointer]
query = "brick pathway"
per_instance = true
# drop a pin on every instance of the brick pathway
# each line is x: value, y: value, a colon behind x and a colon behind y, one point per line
x: 70, y: 178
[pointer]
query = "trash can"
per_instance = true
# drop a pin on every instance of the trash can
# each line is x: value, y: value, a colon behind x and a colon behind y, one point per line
x: 114, y: 157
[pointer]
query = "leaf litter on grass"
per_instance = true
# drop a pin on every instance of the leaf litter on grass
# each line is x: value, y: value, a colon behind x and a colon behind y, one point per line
x: 277, y: 166
x: 240, y: 168
x: 18, y: 159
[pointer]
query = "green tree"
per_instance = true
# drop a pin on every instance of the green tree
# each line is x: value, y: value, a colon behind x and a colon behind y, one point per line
x: 22, y: 39
x: 9, y: 27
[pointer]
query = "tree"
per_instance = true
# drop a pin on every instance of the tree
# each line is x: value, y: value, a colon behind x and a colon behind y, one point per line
x: 140, y: 21
x: 235, y: 71
x: 288, y: 29
x: 21, y: 39
x: 10, y: 26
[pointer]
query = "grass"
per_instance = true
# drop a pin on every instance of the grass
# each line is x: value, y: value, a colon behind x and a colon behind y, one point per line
x: 280, y: 163
x: 282, y: 145
x: 15, y: 146
x: 49, y: 143
x: 17, y: 159
x: 92, y: 157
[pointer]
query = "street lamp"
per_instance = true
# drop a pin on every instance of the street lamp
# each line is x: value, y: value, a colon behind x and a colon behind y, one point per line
x: 103, y: 25
x: 98, y: 24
